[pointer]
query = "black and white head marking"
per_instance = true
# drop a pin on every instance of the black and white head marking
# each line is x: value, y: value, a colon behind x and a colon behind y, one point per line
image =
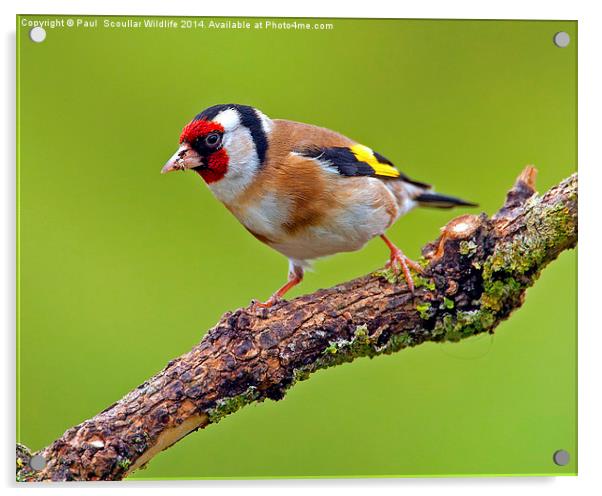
x: 245, y: 140
x: 233, y: 114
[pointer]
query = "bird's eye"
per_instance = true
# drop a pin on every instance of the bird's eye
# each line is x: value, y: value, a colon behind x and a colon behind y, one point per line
x: 213, y: 139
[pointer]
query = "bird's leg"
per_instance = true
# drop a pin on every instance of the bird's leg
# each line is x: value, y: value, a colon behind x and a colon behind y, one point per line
x: 397, y: 258
x: 295, y: 276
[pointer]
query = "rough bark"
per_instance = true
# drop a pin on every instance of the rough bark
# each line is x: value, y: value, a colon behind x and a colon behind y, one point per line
x: 475, y: 275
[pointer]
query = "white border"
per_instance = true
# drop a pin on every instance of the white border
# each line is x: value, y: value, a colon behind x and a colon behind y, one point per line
x: 590, y: 164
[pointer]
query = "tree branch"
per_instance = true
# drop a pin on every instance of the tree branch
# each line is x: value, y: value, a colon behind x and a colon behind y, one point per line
x: 476, y: 274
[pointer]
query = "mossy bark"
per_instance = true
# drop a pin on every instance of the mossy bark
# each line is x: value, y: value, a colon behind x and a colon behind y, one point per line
x: 475, y: 275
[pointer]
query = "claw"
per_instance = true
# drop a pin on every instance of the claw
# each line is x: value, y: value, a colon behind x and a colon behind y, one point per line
x: 270, y: 302
x: 398, y: 261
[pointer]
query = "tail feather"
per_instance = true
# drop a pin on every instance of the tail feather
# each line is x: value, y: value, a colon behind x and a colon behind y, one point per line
x: 436, y: 200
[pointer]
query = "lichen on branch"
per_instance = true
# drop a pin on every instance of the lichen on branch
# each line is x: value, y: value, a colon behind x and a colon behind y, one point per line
x: 475, y: 275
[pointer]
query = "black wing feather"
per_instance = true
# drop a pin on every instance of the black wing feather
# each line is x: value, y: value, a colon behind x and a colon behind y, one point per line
x: 346, y: 163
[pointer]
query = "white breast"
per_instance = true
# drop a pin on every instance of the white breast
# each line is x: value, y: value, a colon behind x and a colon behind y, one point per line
x: 349, y: 228
x: 267, y: 216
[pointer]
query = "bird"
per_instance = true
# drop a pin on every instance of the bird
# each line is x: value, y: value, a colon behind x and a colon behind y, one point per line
x: 306, y: 191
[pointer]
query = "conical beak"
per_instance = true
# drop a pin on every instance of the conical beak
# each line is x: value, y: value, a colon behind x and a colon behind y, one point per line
x: 184, y: 158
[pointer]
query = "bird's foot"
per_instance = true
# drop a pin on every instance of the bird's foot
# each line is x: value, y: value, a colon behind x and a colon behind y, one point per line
x: 270, y: 302
x: 295, y: 277
x: 400, y: 263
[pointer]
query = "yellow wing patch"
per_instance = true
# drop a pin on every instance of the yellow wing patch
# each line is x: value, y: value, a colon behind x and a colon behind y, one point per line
x: 366, y: 155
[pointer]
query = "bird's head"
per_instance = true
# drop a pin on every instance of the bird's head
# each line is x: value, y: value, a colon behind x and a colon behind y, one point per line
x: 224, y: 143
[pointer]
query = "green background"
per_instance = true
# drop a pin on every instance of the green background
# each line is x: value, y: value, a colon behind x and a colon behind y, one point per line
x: 122, y: 269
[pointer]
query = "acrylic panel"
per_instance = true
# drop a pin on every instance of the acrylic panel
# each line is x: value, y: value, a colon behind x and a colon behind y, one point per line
x: 122, y: 269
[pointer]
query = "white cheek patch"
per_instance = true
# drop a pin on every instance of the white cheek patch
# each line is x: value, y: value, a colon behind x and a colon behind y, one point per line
x: 229, y: 119
x: 243, y: 164
x: 242, y: 155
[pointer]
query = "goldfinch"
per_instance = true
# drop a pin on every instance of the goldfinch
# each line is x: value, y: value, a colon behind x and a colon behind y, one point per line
x: 305, y: 191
